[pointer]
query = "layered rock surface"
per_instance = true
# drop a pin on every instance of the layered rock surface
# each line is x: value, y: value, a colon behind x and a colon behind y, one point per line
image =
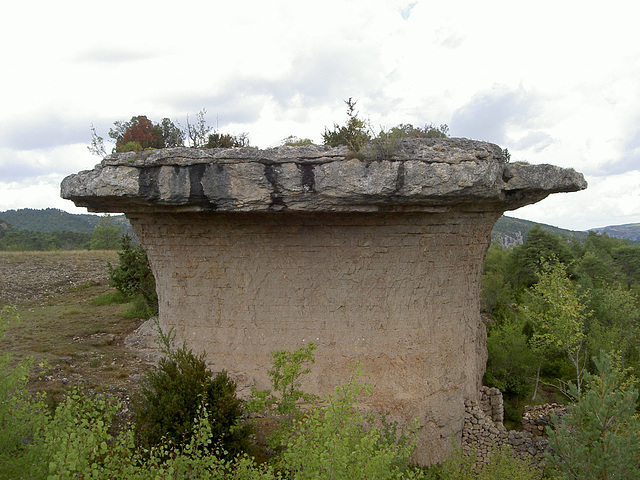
x: 375, y: 260
x: 419, y: 175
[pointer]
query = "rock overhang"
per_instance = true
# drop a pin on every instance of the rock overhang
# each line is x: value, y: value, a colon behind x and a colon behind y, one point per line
x: 418, y: 175
x: 377, y: 258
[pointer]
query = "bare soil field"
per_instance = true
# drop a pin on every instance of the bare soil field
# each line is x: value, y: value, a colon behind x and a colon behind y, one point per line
x: 71, y: 338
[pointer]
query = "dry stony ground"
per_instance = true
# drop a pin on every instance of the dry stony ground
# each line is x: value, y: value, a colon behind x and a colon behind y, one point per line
x: 69, y: 337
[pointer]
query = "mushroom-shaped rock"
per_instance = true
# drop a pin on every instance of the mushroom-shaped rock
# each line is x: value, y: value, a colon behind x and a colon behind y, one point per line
x: 375, y: 258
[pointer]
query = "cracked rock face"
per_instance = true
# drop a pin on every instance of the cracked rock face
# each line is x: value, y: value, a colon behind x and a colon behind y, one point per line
x: 375, y: 260
x: 421, y: 175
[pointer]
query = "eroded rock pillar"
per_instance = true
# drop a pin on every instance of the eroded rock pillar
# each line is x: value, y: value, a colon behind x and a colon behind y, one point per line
x: 396, y: 293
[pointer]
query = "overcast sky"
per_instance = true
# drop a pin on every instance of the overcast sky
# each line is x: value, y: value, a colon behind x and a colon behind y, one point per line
x: 553, y: 81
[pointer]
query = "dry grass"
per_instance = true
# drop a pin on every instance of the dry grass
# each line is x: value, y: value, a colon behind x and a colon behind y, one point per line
x: 62, y: 328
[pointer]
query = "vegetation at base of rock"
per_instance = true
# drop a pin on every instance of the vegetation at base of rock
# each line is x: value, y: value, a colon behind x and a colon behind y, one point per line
x: 181, y: 391
x: 283, y: 401
x: 133, y: 277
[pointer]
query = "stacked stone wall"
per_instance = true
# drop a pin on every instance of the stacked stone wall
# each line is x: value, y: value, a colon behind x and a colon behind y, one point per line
x: 484, y: 431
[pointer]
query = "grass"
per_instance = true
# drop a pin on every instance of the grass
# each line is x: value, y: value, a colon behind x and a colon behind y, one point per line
x: 78, y: 331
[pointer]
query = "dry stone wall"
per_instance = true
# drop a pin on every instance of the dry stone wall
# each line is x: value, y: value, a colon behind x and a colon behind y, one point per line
x: 484, y: 431
x: 376, y: 261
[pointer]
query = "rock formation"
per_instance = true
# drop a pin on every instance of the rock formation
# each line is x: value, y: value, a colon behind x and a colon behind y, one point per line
x: 375, y: 260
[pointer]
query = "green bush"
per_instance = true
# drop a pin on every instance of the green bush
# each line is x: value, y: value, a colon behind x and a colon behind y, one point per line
x: 284, y: 401
x: 20, y: 414
x: 133, y: 276
x: 130, y: 147
x: 336, y: 441
x: 175, y: 394
x: 355, y: 134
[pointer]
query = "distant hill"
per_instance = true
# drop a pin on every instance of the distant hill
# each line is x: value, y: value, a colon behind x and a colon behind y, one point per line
x: 629, y: 231
x: 55, y: 220
x: 509, y: 231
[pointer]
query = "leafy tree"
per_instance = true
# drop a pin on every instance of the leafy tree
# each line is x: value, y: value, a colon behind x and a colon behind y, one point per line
x: 139, y: 130
x: 106, y: 235
x: 614, y: 325
x: 627, y: 257
x: 225, y: 140
x: 600, y: 436
x: 540, y: 247
x: 171, y: 133
x: 511, y: 363
x: 355, y: 134
x: 140, y: 133
x: 595, y: 271
x: 557, y: 313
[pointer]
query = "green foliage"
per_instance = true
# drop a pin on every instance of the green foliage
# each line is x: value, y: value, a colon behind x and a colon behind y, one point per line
x: 133, y: 276
x: 387, y: 143
x: 511, y: 363
x: 502, y: 465
x: 406, y: 130
x: 334, y: 441
x: 539, y: 248
x: 355, y: 134
x: 288, y: 369
x: 600, y: 437
x: 140, y: 133
x: 130, y: 147
x: 55, y: 220
x: 293, y: 141
x: 177, y: 392
x: 13, y: 240
x: 627, y: 258
x: 496, y: 295
x: 21, y: 415
x: 106, y: 235
x: 225, y: 140
x: 171, y: 133
x: 557, y: 313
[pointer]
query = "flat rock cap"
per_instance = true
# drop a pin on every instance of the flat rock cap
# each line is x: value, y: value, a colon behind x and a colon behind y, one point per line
x: 410, y: 175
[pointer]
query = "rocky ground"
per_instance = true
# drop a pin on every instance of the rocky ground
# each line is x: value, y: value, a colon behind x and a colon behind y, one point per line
x: 40, y: 276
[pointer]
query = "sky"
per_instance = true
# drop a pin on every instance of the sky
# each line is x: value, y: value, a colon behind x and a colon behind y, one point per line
x: 555, y: 82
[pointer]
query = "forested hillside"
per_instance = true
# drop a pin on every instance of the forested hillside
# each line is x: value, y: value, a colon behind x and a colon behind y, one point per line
x: 552, y: 304
x: 55, y: 220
